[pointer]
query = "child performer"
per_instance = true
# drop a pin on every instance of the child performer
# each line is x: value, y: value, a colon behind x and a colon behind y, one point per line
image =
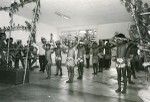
x: 80, y: 59
x: 58, y: 58
x: 87, y: 53
x: 101, y: 56
x: 48, y: 53
x: 95, y: 57
x: 121, y: 41
x: 70, y: 61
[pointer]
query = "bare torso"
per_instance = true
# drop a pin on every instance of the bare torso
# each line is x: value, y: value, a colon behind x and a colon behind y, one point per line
x: 81, y: 52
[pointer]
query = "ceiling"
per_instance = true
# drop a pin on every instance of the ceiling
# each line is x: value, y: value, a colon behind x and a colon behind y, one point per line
x: 81, y: 12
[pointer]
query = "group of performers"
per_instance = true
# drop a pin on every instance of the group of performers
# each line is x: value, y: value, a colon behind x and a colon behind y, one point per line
x: 17, y: 52
x: 83, y: 50
x: 126, y: 57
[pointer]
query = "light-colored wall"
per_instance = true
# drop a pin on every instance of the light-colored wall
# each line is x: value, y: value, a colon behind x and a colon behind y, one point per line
x: 106, y: 31
x: 76, y: 28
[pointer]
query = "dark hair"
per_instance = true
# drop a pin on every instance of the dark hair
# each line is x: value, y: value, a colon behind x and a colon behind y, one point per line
x: 7, y: 40
x: 48, y: 45
x: 120, y: 35
x: 11, y: 38
x: 58, y: 43
x: 100, y: 42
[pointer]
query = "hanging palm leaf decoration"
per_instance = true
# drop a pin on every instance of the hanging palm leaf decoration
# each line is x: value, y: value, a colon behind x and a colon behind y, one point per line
x: 140, y: 31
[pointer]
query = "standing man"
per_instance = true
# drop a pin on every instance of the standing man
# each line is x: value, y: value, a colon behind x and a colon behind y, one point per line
x: 42, y: 59
x: 101, y: 56
x: 95, y: 51
x: 80, y: 59
x: 121, y: 42
x: 108, y: 55
x: 87, y: 53
x: 70, y: 61
x: 104, y: 54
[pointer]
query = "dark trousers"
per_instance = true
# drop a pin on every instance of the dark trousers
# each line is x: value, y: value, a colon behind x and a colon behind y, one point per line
x: 107, y: 63
x: 70, y: 73
x: 101, y: 64
x: 42, y: 61
x: 104, y: 63
x: 58, y: 67
x: 80, y: 69
x: 121, y: 72
x: 131, y: 70
x: 136, y: 65
x: 17, y: 62
x: 87, y: 62
x: 95, y: 68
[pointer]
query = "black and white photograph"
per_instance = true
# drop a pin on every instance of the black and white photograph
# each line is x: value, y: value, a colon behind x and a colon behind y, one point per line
x: 74, y: 50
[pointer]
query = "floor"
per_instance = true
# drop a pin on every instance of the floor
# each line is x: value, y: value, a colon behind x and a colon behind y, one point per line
x: 92, y: 88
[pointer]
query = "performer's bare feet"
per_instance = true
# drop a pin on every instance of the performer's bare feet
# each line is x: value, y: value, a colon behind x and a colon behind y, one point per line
x: 118, y: 90
x: 48, y: 77
x: 123, y: 91
x: 131, y: 82
x: 68, y: 81
x: 79, y: 77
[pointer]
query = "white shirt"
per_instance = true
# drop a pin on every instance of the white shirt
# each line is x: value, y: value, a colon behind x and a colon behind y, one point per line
x: 41, y: 49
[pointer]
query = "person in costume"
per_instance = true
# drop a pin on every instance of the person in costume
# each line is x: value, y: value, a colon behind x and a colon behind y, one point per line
x: 101, y: 56
x: 70, y: 61
x: 48, y: 54
x: 80, y: 59
x: 58, y: 58
x: 121, y: 45
x: 108, y: 55
x: 87, y: 53
x: 95, y: 57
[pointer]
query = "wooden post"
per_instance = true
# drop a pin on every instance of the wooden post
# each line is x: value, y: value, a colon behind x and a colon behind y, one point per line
x: 30, y: 37
x: 11, y: 23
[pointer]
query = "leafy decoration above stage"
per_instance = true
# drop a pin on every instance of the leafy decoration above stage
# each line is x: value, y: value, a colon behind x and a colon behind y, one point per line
x: 14, y: 8
x: 87, y: 36
x: 14, y: 27
x: 140, y: 13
